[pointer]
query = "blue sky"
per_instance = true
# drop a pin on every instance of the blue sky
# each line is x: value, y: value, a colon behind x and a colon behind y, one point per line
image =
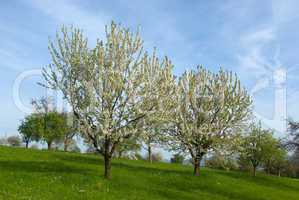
x: 252, y: 38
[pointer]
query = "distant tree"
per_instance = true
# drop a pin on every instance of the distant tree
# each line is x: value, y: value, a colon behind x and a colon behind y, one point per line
x: 54, y: 128
x: 221, y: 159
x: 42, y: 106
x: 156, y: 157
x: 34, y: 146
x: 14, y: 141
x: 255, y: 146
x: 71, y: 130
x: 131, y: 145
x: 293, y: 130
x: 226, y: 153
x: 68, y: 138
x: 73, y: 147
x: 295, y: 157
x: 151, y: 135
x: 275, y: 155
x: 290, y: 170
x: 91, y: 149
x: 208, y: 106
x: 3, y: 141
x: 138, y: 156
x: 30, y: 129
x: 294, y: 163
x: 54, y: 125
x: 279, y: 160
x: 110, y: 87
x: 177, y: 158
x: 243, y: 163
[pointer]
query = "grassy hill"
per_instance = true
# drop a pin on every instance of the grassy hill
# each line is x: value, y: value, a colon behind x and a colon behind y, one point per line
x: 33, y: 174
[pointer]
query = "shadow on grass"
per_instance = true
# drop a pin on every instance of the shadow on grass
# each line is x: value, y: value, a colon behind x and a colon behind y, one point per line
x: 41, y: 166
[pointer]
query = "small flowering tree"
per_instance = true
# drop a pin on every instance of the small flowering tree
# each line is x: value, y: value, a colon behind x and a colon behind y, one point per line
x: 208, y: 106
x: 110, y: 87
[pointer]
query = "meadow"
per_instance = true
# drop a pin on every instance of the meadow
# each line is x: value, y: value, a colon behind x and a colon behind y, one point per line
x: 35, y: 174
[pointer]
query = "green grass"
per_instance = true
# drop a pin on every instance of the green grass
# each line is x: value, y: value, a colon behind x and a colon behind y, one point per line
x: 34, y: 174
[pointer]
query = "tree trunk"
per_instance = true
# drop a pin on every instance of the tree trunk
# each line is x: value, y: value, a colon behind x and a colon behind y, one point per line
x: 196, y: 165
x: 107, y: 166
x: 107, y: 159
x: 268, y: 171
x: 120, y: 153
x: 27, y: 144
x: 279, y: 173
x: 149, y: 152
x: 196, y: 170
x: 49, y: 145
x: 65, y: 145
x: 254, y: 171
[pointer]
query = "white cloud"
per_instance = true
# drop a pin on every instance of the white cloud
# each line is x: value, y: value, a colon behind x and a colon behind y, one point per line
x: 69, y: 13
x: 15, y: 60
x: 257, y: 37
x: 252, y: 45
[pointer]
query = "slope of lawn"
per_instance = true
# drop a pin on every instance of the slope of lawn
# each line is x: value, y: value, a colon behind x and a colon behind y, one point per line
x: 34, y: 174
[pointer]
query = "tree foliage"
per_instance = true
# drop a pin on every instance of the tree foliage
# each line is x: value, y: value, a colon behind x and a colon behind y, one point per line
x: 275, y: 156
x: 129, y: 148
x: 30, y: 129
x: 259, y: 146
x: 53, y: 126
x: 177, y: 158
x: 294, y: 134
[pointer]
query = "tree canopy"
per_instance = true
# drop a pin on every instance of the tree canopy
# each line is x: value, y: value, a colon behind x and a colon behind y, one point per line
x: 110, y: 87
x: 208, y: 105
x: 30, y: 129
x: 259, y: 146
